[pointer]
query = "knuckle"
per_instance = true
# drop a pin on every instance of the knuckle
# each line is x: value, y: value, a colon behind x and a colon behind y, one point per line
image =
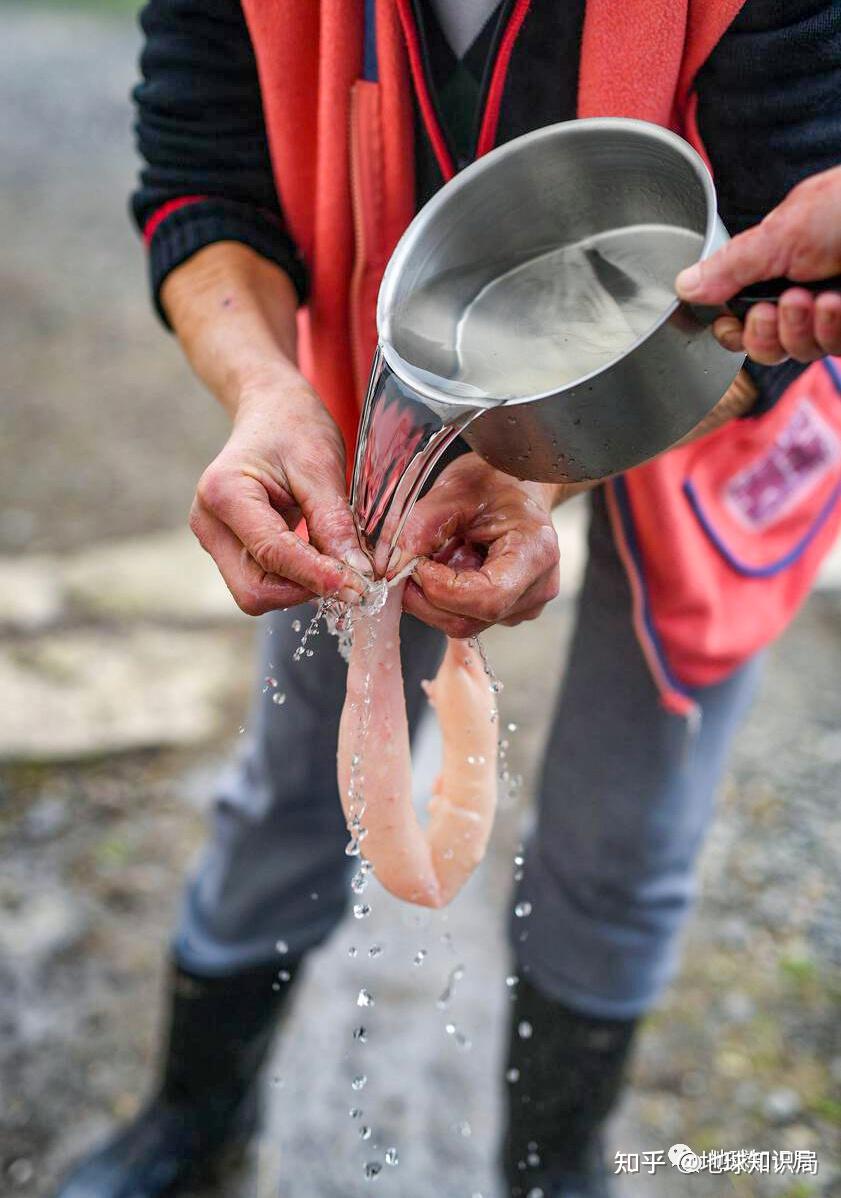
x: 461, y: 629
x: 212, y: 489
x: 553, y: 587
x: 491, y: 606
x: 551, y: 545
x: 249, y: 600
x: 196, y: 525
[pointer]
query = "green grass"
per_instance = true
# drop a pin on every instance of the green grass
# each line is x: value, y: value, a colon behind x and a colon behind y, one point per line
x: 828, y: 1108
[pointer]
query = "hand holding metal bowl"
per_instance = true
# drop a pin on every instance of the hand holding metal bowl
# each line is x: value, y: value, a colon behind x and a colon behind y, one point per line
x: 538, y: 286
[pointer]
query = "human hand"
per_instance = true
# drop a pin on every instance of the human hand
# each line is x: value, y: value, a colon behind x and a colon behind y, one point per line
x: 473, y: 509
x: 284, y: 460
x: 800, y: 239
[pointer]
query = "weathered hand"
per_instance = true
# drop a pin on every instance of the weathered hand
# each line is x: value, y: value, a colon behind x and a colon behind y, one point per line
x: 507, y: 522
x: 282, y: 461
x: 800, y: 239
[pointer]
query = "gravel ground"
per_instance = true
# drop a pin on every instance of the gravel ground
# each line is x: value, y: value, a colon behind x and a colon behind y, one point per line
x: 745, y: 1052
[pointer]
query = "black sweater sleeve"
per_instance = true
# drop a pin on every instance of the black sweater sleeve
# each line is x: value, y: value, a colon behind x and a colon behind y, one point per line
x: 769, y: 115
x: 206, y: 173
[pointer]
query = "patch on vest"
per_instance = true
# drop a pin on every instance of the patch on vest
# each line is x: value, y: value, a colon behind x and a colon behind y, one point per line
x: 770, y: 486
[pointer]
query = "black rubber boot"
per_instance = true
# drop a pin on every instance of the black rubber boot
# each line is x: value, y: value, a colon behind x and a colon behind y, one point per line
x: 206, y: 1107
x: 563, y: 1077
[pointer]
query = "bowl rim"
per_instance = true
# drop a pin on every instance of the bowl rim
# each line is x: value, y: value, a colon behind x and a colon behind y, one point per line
x: 510, y: 149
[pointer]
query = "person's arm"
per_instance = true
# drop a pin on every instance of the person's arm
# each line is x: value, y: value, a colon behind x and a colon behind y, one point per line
x: 234, y: 314
x: 206, y: 174
x: 226, y: 276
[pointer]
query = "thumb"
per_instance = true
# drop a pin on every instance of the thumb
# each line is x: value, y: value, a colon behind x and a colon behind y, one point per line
x: 746, y: 259
x: 330, y: 523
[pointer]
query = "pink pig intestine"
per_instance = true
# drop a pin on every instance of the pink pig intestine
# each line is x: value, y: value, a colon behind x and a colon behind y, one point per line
x: 427, y: 865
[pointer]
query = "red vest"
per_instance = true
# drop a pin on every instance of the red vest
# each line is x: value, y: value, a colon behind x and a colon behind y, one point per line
x: 342, y: 151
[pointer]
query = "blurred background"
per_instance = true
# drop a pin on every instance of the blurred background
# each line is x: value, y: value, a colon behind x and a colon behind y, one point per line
x: 124, y: 681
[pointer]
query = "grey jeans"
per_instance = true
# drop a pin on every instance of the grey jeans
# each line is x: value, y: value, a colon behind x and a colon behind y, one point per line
x: 623, y: 805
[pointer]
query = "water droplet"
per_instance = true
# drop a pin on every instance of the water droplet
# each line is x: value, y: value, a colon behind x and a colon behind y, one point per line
x: 375, y: 950
x: 511, y: 980
x: 296, y: 625
x: 364, y: 998
x: 355, y: 1112
x: 533, y: 1161
x: 281, y: 946
x: 392, y: 1158
x: 471, y: 760
x: 279, y: 698
x: 360, y: 1034
x: 512, y: 727
x: 464, y: 1042
x: 372, y: 1170
x: 450, y: 1029
x: 275, y: 985
x: 524, y: 1030
x: 513, y: 1075
x: 284, y: 975
x: 522, y: 910
x: 361, y: 910
x: 352, y: 951
x: 21, y: 1171
x: 278, y: 1081
x: 270, y: 681
x: 444, y: 999
x: 420, y: 956
x: 352, y: 847
x: 519, y: 859
x: 464, y: 1128
x: 241, y: 729
x: 536, y: 1192
x: 355, y: 761
x: 365, y: 1133
x: 358, y: 1082
x: 358, y: 882
x: 309, y: 652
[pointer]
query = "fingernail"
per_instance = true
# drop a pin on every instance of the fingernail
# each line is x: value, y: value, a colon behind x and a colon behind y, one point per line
x: 359, y: 562
x: 689, y: 280
x: 766, y: 327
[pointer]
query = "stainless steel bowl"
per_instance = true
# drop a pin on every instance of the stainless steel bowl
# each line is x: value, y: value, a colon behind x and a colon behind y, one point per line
x: 559, y: 186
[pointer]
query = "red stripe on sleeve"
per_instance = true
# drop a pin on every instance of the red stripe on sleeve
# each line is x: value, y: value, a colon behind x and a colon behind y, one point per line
x: 164, y: 211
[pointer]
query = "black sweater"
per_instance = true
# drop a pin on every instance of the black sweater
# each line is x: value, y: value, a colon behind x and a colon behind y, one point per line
x: 769, y: 113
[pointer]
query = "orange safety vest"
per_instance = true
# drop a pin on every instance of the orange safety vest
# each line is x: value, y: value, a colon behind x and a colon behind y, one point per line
x: 342, y: 153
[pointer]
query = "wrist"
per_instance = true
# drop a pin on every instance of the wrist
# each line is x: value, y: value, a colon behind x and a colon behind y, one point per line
x: 270, y: 385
